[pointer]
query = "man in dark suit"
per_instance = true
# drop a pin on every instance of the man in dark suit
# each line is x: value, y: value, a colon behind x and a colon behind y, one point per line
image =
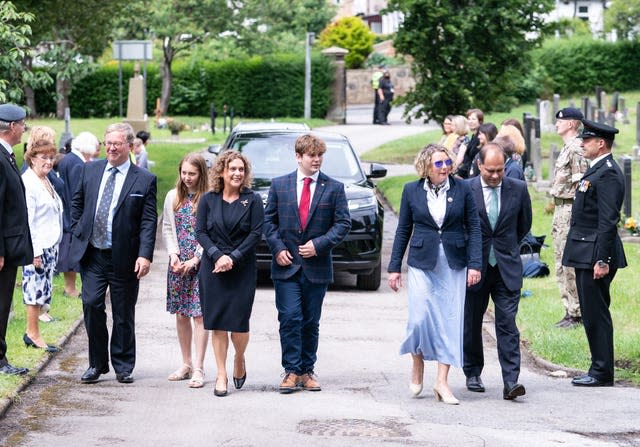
x: 594, y: 248
x: 305, y: 218
x: 15, y: 240
x: 504, y: 207
x: 113, y: 230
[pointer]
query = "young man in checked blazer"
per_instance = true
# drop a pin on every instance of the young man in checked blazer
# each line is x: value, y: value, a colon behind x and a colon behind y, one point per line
x: 305, y: 218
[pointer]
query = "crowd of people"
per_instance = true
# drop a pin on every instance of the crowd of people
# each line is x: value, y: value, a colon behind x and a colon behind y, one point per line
x: 462, y: 223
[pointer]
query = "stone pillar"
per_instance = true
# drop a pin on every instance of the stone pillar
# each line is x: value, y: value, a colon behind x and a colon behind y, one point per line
x: 136, y: 115
x: 338, y: 108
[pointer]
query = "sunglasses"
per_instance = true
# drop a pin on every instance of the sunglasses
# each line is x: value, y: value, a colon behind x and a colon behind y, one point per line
x: 440, y: 163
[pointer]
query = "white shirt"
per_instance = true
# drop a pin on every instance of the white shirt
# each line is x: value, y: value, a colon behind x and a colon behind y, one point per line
x: 437, y: 203
x: 300, y: 185
x: 486, y: 193
x: 123, y: 169
x: 593, y: 162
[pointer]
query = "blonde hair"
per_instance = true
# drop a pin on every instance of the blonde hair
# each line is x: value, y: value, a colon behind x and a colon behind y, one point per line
x: 222, y: 163
x: 460, y: 126
x: 508, y: 130
x: 202, y: 187
x: 422, y: 163
x: 41, y: 141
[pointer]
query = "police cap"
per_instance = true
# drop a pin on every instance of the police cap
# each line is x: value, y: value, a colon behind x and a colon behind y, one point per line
x: 597, y: 130
x: 569, y: 113
x: 11, y: 112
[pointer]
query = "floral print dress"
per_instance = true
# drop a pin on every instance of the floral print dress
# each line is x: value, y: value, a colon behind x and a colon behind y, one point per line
x: 183, y: 295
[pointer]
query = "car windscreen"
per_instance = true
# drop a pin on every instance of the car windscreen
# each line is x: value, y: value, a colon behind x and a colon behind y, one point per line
x: 273, y: 155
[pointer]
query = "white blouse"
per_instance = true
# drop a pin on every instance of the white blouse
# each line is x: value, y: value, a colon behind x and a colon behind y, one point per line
x: 437, y: 203
x: 45, y: 213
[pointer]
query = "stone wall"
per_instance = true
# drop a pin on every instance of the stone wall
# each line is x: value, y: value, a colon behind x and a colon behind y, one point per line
x: 359, y: 90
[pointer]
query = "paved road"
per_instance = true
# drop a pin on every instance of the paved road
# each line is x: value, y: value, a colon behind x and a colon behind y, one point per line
x: 364, y: 402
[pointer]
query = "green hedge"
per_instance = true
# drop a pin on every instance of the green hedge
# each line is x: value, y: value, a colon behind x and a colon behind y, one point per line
x: 576, y: 66
x: 260, y: 87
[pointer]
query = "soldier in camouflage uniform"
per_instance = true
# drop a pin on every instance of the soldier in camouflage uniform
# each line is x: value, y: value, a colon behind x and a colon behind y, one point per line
x: 569, y: 168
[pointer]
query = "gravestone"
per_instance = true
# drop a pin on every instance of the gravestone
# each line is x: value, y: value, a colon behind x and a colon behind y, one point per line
x: 545, y: 115
x: 586, y: 107
x: 623, y: 111
x: 556, y: 106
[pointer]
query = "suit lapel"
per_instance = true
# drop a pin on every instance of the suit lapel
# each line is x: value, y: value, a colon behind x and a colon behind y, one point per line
x: 478, y: 196
x: 451, y: 197
x: 317, y: 194
x: 95, y: 173
x: 292, y: 193
x: 423, y: 201
x: 129, y: 180
x: 245, y: 201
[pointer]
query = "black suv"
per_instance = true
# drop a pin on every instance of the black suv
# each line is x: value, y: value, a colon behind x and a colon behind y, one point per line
x: 270, y: 149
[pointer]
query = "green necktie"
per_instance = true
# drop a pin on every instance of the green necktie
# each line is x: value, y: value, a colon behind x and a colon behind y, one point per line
x: 493, y: 212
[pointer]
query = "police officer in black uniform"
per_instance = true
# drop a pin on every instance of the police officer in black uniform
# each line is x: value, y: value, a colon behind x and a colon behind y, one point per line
x: 594, y: 248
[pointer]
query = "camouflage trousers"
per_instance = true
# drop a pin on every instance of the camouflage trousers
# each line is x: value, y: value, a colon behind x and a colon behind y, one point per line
x: 566, y: 276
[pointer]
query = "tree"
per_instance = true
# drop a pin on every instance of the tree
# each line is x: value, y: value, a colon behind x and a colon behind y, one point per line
x: 352, y: 34
x: 67, y: 38
x: 623, y: 16
x: 14, y: 48
x: 466, y: 53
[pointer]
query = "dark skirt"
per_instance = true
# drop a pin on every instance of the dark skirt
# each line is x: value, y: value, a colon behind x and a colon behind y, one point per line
x: 227, y: 298
x: 64, y: 262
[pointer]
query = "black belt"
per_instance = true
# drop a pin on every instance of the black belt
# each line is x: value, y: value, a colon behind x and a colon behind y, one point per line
x: 559, y: 201
x: 106, y: 251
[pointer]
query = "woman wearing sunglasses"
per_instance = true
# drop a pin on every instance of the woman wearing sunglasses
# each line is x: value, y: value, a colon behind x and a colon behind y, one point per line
x: 439, y: 222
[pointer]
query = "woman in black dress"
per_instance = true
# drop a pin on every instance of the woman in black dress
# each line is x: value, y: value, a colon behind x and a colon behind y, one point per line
x: 228, y: 227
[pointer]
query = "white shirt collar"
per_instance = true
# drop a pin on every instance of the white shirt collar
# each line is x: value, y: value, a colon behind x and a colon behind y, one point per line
x: 301, y: 176
x: 593, y: 162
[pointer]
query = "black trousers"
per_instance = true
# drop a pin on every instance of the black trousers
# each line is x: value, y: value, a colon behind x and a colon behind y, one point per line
x: 376, y: 106
x: 97, y: 274
x: 507, y: 334
x: 7, y: 285
x: 594, y: 305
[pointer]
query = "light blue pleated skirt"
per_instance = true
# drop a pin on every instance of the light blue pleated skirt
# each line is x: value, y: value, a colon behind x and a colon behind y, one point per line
x: 436, y: 310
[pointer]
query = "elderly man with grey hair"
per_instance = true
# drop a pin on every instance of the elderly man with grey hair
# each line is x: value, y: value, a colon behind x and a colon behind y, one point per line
x: 83, y: 148
x: 15, y: 239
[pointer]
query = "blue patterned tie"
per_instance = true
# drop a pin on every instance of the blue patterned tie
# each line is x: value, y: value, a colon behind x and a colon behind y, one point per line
x: 102, y: 215
x: 493, y: 212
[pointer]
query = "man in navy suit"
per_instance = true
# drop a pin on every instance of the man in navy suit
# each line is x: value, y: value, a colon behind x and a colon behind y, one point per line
x: 594, y: 248
x: 504, y: 207
x: 15, y: 239
x: 113, y: 230
x: 306, y: 216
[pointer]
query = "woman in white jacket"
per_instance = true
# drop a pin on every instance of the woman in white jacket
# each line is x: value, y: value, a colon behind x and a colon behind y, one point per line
x: 183, y: 295
x: 44, y: 208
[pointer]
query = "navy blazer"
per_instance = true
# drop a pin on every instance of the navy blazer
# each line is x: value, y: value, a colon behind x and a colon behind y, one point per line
x: 593, y: 235
x: 514, y: 222
x: 239, y: 243
x: 134, y: 221
x: 459, y: 234
x: 328, y: 223
x: 15, y: 238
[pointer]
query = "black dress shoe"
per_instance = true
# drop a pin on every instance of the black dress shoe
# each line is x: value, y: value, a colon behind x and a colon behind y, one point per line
x: 126, y: 377
x: 474, y: 383
x: 92, y: 374
x: 13, y: 370
x: 587, y: 380
x: 31, y: 344
x: 512, y: 390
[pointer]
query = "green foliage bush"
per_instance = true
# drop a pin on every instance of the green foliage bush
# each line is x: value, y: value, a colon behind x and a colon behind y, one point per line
x: 352, y: 34
x: 258, y: 87
x: 576, y: 66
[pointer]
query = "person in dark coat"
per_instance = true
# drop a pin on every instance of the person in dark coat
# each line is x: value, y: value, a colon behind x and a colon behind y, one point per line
x: 15, y: 239
x: 228, y: 227
x: 594, y: 248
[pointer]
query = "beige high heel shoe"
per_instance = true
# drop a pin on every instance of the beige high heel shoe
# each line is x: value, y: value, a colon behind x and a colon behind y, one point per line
x: 446, y: 398
x: 415, y: 388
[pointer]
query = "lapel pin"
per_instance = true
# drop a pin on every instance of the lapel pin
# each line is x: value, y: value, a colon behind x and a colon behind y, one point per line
x: 449, y: 199
x: 244, y: 202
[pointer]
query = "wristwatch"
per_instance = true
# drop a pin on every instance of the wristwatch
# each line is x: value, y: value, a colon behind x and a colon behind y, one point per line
x: 602, y: 264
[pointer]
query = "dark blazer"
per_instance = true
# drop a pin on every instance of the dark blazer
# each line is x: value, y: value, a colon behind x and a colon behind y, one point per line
x: 512, y: 169
x: 593, y: 235
x: 15, y: 238
x: 239, y: 243
x: 134, y: 221
x: 328, y: 223
x: 514, y: 221
x: 459, y: 234
x: 70, y: 171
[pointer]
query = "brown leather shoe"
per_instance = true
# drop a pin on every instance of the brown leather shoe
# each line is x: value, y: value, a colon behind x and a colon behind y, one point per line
x: 290, y: 383
x: 309, y: 382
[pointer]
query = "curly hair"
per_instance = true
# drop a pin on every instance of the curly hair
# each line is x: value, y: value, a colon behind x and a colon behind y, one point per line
x: 422, y: 162
x: 40, y: 141
x: 222, y: 163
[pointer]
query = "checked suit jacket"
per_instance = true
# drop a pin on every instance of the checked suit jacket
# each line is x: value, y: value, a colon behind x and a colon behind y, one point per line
x: 328, y: 224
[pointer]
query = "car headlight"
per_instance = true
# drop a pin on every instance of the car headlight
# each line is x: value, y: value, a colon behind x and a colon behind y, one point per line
x: 363, y: 202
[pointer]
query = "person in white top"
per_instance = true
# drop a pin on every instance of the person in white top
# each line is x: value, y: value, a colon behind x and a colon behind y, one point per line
x: 44, y: 208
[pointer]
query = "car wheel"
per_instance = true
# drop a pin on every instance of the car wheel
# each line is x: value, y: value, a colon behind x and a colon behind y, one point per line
x: 372, y: 280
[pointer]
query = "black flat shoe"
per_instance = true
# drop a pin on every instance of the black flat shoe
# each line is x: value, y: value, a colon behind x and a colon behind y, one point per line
x: 512, y: 390
x: 126, y: 377
x: 587, y: 380
x: 474, y: 383
x: 13, y: 370
x: 31, y: 344
x: 92, y: 374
